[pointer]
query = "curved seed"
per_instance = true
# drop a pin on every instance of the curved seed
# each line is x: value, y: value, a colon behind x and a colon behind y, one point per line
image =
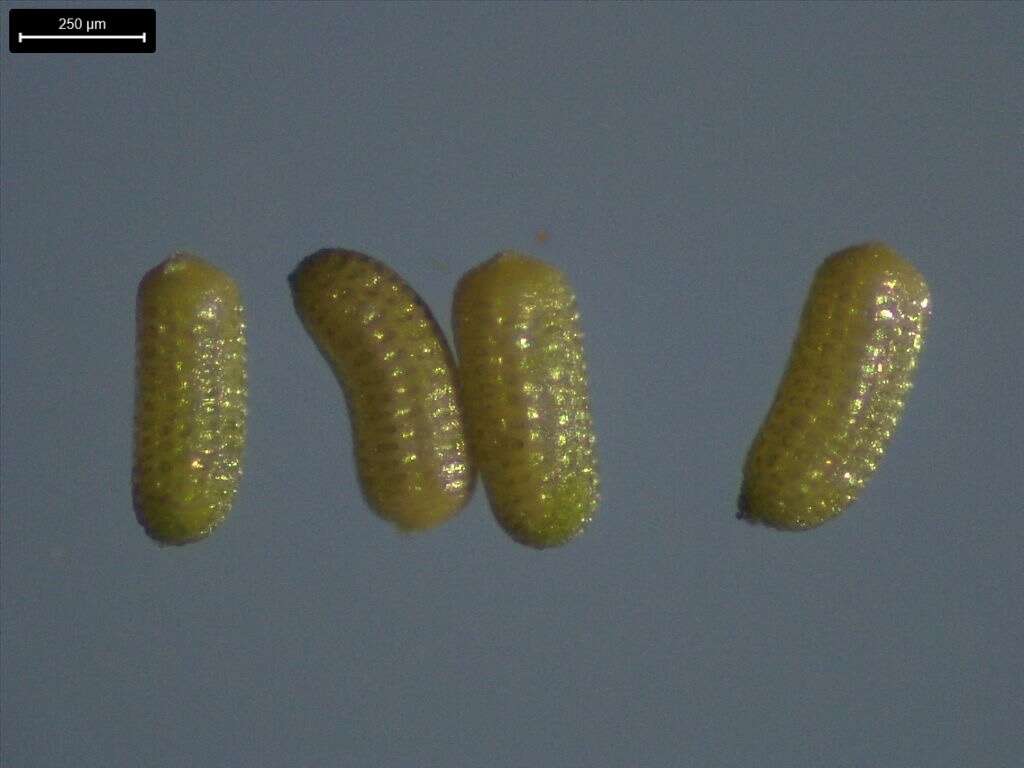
x: 842, y: 394
x: 399, y: 379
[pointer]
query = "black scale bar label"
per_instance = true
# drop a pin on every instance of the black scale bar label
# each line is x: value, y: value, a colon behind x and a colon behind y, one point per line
x: 82, y: 30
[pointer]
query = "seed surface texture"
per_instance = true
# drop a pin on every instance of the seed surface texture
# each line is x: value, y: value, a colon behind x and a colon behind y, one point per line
x: 843, y: 392
x: 400, y: 384
x: 190, y: 403
x: 525, y: 389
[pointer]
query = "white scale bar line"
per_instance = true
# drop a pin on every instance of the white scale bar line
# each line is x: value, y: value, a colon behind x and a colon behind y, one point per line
x: 22, y: 36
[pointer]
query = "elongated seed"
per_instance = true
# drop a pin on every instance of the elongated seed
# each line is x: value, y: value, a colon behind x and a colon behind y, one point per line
x: 400, y: 383
x: 843, y: 392
x: 525, y: 388
x: 190, y: 405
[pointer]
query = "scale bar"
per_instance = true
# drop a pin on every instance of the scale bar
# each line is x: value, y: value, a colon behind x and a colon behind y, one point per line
x: 22, y: 37
x: 88, y: 30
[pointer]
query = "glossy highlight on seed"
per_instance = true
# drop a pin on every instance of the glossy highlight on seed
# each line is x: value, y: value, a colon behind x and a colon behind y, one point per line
x: 190, y: 402
x: 843, y: 392
x: 400, y: 384
x: 525, y: 389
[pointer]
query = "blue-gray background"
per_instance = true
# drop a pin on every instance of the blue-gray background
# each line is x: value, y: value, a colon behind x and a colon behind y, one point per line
x: 692, y: 165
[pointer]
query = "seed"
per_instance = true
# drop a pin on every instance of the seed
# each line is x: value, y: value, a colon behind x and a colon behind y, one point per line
x: 843, y: 392
x: 524, y: 380
x: 400, y: 383
x: 190, y: 404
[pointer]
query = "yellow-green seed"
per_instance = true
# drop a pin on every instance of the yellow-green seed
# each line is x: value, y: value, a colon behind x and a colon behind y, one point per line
x: 190, y: 403
x: 843, y: 392
x: 400, y: 383
x: 524, y: 380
